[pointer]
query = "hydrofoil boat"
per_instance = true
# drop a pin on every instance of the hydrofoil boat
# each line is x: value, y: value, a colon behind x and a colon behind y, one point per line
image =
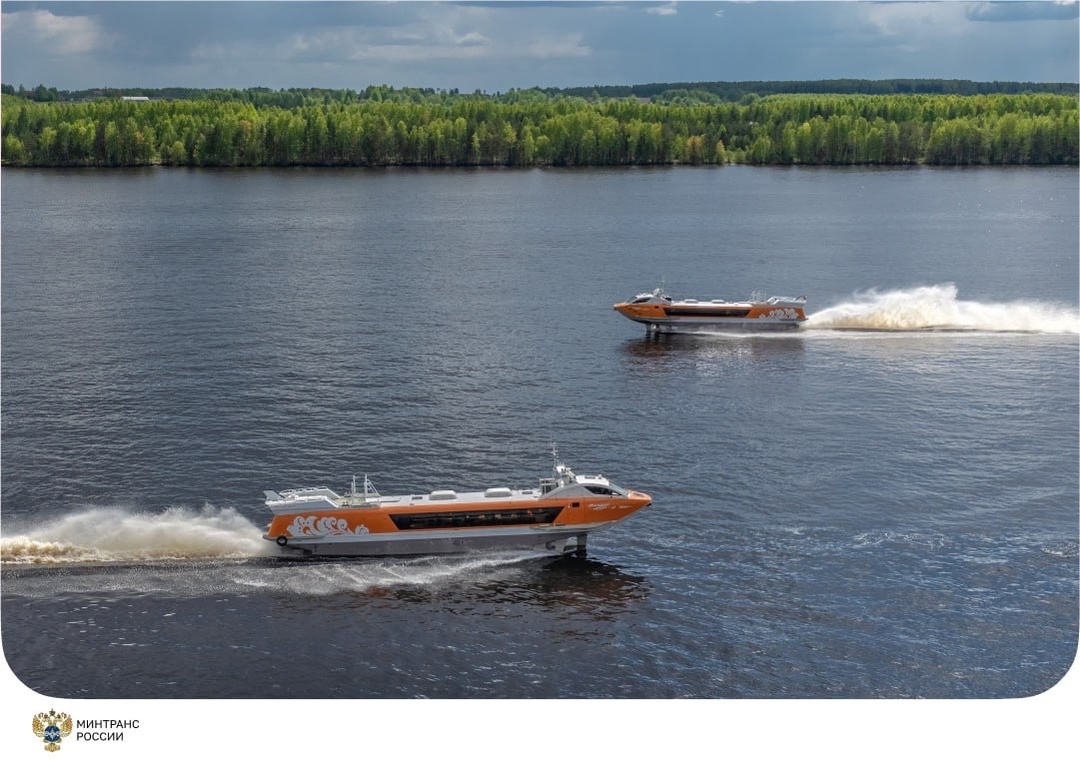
x: 553, y: 518
x: 662, y: 314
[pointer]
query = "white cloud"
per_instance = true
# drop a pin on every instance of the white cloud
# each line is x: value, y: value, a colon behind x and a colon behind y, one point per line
x: 1060, y: 10
x: 472, y: 38
x: 566, y: 46
x: 663, y: 10
x: 925, y: 21
x: 414, y: 53
x: 60, y: 35
x: 335, y: 46
x: 424, y: 40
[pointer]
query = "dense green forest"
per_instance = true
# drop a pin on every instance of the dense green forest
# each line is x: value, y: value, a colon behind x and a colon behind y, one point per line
x: 381, y: 126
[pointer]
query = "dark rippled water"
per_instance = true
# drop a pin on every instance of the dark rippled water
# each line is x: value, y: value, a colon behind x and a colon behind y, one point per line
x: 882, y: 505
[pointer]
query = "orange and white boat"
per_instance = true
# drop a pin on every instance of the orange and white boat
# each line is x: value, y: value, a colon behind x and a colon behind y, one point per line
x: 660, y: 313
x: 553, y: 518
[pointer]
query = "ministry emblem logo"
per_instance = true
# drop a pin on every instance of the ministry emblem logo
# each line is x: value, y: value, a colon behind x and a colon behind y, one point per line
x: 52, y: 727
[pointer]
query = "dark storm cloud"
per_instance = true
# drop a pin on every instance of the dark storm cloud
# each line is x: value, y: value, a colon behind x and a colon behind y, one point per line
x: 168, y: 32
x: 498, y: 46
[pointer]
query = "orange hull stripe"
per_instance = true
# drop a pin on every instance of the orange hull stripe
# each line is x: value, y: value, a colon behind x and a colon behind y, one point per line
x: 656, y: 312
x: 377, y: 520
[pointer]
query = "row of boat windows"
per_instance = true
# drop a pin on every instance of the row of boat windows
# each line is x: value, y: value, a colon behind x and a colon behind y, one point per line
x: 538, y: 516
x: 711, y: 312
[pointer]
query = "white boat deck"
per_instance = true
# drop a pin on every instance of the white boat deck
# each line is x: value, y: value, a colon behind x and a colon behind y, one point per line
x: 323, y: 498
x: 494, y: 494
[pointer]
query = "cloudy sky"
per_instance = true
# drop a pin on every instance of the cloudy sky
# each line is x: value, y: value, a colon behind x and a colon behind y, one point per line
x: 499, y: 46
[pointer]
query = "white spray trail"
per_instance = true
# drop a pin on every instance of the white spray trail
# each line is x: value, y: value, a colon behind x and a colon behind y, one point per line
x: 113, y: 534
x: 937, y: 308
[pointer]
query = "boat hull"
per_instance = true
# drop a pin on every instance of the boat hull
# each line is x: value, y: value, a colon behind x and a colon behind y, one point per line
x: 687, y: 326
x: 689, y: 317
x: 555, y: 541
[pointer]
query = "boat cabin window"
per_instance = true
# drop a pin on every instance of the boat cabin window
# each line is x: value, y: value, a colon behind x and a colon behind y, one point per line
x: 600, y: 490
x: 539, y: 515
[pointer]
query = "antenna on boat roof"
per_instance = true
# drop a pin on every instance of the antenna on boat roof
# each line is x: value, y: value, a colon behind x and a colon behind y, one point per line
x: 555, y: 457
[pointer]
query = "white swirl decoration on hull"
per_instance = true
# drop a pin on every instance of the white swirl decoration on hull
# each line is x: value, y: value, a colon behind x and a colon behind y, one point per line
x: 323, y: 526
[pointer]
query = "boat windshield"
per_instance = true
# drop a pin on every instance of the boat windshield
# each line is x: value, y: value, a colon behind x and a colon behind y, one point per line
x: 608, y: 489
x: 650, y: 297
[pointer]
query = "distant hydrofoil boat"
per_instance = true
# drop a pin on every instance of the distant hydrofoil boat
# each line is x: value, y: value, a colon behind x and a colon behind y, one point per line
x: 660, y: 313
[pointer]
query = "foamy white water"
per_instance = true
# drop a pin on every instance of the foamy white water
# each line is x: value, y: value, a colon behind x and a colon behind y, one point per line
x: 116, y: 534
x: 324, y: 577
x: 938, y: 308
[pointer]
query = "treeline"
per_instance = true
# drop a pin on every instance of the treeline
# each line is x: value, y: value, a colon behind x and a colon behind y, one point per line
x: 737, y: 91
x: 707, y: 92
x: 529, y: 128
x: 258, y: 96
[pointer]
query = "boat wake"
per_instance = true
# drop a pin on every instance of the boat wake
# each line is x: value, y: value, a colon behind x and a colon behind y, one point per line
x: 936, y: 308
x: 114, y: 534
x: 326, y: 577
x: 181, y: 552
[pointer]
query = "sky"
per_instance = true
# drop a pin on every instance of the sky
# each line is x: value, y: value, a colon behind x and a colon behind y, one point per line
x: 495, y: 47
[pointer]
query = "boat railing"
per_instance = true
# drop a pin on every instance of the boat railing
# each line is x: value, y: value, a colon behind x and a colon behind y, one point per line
x: 306, y: 498
x: 368, y: 496
x: 308, y: 492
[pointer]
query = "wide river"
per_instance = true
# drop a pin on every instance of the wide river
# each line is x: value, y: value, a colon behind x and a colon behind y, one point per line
x: 883, y: 504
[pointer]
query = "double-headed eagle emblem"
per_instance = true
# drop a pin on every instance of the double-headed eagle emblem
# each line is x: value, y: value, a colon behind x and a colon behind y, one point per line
x: 52, y: 727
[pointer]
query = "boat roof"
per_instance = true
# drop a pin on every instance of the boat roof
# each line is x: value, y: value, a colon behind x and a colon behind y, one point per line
x: 323, y: 497
x: 755, y: 299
